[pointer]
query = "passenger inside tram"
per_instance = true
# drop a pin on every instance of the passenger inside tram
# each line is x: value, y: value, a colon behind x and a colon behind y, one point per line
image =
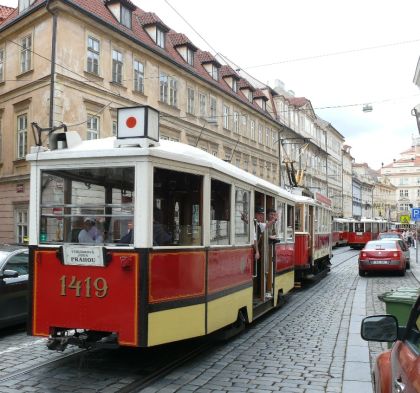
x: 90, y: 233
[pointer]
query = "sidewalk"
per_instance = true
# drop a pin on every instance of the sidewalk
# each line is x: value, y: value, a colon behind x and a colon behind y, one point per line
x: 357, y: 375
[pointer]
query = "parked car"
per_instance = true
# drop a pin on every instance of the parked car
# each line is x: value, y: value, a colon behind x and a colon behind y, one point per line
x: 385, y: 255
x: 396, y: 370
x: 13, y: 285
x: 397, y: 235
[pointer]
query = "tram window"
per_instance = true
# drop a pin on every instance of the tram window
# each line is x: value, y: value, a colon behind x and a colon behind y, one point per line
x: 290, y: 235
x: 220, y: 212
x: 299, y: 211
x: 242, y: 216
x: 280, y: 221
x: 368, y: 227
x: 358, y: 227
x: 70, y: 196
x: 177, y: 213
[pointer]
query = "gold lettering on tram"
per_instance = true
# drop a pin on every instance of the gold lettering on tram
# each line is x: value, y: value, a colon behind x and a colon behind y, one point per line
x: 84, y: 288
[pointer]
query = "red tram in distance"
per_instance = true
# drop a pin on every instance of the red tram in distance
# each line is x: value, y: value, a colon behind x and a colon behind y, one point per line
x: 312, y: 237
x: 157, y: 245
x: 365, y: 230
x: 341, y: 227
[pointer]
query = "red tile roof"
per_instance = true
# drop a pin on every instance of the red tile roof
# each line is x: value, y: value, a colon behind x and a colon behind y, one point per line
x: 259, y: 94
x: 179, y: 39
x: 5, y: 12
x: 226, y: 70
x: 244, y: 84
x: 101, y: 14
x: 127, y: 3
x: 298, y: 101
x: 206, y: 57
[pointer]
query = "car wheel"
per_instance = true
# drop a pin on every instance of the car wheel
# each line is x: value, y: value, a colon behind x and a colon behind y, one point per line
x: 361, y: 273
x: 407, y: 265
x: 401, y: 273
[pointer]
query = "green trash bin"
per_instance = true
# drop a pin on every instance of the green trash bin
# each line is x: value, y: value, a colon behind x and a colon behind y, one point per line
x: 400, y: 302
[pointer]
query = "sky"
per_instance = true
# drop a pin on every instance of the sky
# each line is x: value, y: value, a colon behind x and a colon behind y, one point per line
x: 269, y: 38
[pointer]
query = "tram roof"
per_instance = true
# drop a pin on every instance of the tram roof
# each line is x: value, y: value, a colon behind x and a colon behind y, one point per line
x: 168, y: 150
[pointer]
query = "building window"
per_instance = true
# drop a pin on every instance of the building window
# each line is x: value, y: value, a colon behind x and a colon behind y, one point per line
x: 190, y: 56
x: 26, y: 54
x: 236, y: 122
x: 225, y: 117
x: 260, y: 134
x: 252, y: 130
x: 168, y: 89
x: 267, y: 137
x: 22, y: 136
x: 126, y: 17
x: 92, y: 127
x: 24, y: 4
x: 249, y: 95
x: 214, y: 72
x: 93, y: 55
x: 191, y: 101
x: 234, y: 85
x: 138, y: 76
x: 114, y: 128
x: 1, y: 140
x: 263, y: 105
x: 202, y: 103
x: 117, y: 66
x: 160, y: 37
x: 21, y: 225
x: 213, y: 108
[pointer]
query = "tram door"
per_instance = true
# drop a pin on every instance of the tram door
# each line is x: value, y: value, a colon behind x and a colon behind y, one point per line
x: 311, y: 232
x: 263, y: 266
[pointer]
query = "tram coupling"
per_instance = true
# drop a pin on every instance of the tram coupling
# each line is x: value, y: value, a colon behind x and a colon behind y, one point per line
x: 83, y: 340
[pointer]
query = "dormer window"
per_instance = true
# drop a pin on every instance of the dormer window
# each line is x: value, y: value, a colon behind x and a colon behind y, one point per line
x: 235, y: 85
x: 160, y: 37
x: 125, y: 17
x: 24, y: 4
x: 122, y: 11
x: 190, y: 56
x: 214, y: 73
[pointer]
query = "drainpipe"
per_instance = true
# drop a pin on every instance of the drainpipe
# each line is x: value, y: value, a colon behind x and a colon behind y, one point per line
x: 53, y: 59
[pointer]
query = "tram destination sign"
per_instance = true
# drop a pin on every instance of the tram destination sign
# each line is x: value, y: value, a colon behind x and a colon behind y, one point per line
x: 415, y: 213
x: 83, y: 255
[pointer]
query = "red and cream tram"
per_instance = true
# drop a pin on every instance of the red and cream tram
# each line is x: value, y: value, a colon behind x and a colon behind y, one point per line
x: 140, y: 246
x: 312, y: 237
x: 365, y: 230
x: 340, y: 230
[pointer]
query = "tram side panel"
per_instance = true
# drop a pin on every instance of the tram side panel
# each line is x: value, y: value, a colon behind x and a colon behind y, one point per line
x: 284, y: 269
x: 229, y: 286
x: 176, y: 296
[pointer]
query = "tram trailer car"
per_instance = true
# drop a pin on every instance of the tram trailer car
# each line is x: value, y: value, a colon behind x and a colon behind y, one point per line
x: 340, y: 231
x: 365, y: 230
x: 188, y: 269
x: 313, y: 241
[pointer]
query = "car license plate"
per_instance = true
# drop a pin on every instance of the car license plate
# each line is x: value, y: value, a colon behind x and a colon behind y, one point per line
x: 379, y: 262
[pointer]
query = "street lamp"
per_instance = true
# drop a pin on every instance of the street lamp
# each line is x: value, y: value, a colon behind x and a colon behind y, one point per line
x: 416, y: 113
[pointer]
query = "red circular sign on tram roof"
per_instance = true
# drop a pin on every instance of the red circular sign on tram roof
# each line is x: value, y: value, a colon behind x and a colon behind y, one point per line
x: 131, y: 122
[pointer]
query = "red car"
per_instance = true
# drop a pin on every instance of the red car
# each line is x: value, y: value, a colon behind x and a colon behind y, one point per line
x: 396, y: 370
x: 386, y: 255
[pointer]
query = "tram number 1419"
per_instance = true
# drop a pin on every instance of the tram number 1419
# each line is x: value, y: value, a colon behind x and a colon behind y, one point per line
x: 84, y: 288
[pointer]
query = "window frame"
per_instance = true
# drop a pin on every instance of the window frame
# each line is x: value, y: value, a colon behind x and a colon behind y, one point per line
x: 191, y: 100
x: 90, y: 132
x: 21, y: 136
x: 95, y: 53
x: 138, y: 76
x: 117, y: 66
x: 2, y: 63
x: 25, y: 57
x: 21, y: 225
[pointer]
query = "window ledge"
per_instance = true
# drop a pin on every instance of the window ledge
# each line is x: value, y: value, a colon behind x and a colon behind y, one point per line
x: 19, y: 161
x: 139, y: 94
x: 116, y: 84
x: 93, y: 75
x: 26, y: 73
x: 174, y: 108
